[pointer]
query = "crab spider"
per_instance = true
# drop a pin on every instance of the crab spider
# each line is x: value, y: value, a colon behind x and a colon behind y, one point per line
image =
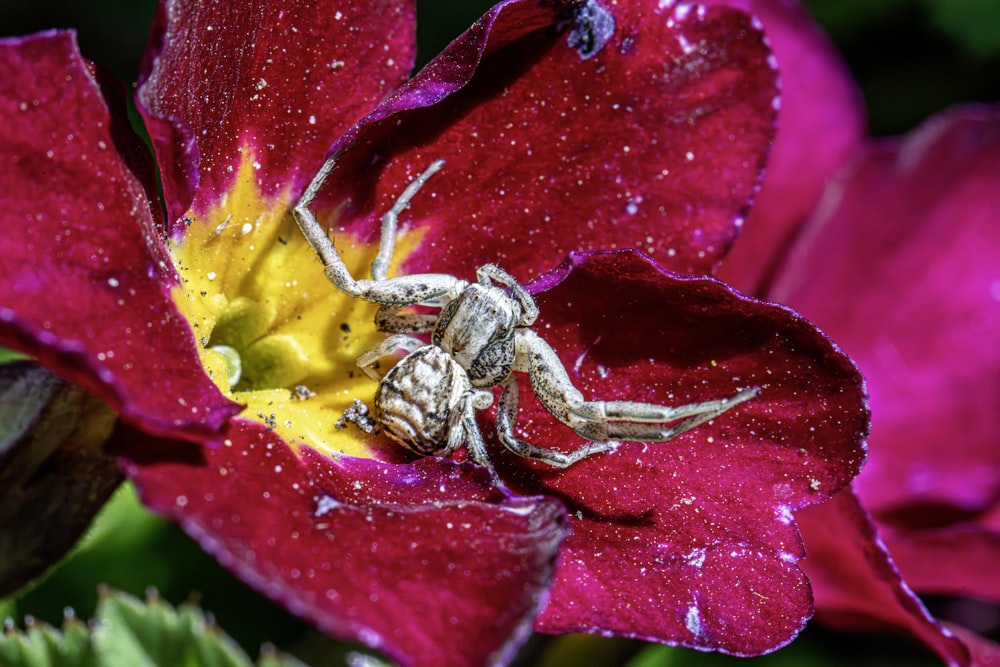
x: 479, y: 339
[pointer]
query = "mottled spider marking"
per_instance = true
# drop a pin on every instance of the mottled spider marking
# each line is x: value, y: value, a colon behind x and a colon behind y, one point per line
x: 417, y: 401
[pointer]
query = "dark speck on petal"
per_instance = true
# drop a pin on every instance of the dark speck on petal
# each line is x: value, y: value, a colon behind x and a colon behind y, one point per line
x: 594, y: 27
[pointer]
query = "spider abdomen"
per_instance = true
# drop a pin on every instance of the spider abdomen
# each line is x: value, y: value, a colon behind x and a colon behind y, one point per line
x: 417, y: 398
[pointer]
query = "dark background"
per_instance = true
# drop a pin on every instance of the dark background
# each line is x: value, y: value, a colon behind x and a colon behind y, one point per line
x: 911, y: 59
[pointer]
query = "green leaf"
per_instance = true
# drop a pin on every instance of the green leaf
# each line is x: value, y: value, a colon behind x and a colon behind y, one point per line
x: 41, y: 645
x: 795, y: 654
x: 8, y: 356
x: 852, y: 18
x: 127, y: 632
x: 973, y: 25
x: 571, y: 650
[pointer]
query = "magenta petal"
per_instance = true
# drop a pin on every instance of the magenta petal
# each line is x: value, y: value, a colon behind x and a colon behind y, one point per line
x: 691, y: 541
x: 954, y: 560
x: 902, y: 268
x: 84, y: 277
x: 425, y: 561
x: 856, y: 583
x: 281, y: 78
x: 655, y: 138
x: 984, y: 652
x: 820, y: 125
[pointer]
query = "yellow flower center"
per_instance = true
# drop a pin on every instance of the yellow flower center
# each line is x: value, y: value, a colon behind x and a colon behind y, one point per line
x: 273, y: 332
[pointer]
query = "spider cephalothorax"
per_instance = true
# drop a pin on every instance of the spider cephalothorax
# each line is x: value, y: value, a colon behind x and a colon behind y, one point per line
x: 479, y: 339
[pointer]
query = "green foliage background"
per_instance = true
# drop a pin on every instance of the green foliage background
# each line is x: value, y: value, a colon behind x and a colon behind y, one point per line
x: 910, y: 57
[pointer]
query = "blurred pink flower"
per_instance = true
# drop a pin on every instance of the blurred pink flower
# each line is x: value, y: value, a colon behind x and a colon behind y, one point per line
x: 892, y: 247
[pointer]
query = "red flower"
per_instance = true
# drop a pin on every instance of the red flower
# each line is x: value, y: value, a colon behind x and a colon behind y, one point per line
x: 567, y: 131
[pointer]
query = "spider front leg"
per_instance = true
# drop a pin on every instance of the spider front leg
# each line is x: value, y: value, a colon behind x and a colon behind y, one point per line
x: 333, y: 264
x: 492, y: 273
x: 393, y: 292
x: 390, y: 222
x: 602, y: 421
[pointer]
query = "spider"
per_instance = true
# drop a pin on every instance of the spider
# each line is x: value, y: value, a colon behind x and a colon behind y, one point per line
x: 482, y: 335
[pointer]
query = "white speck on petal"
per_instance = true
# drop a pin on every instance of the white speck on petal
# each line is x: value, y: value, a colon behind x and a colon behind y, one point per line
x: 693, y: 620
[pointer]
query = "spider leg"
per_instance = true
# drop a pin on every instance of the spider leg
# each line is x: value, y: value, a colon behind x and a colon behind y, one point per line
x: 387, y: 320
x: 462, y: 428
x: 608, y: 420
x: 390, y: 221
x: 635, y: 420
x: 506, y: 418
x: 420, y: 288
x: 402, y: 291
x: 333, y: 264
x: 367, y: 360
x: 465, y: 427
x: 492, y: 272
